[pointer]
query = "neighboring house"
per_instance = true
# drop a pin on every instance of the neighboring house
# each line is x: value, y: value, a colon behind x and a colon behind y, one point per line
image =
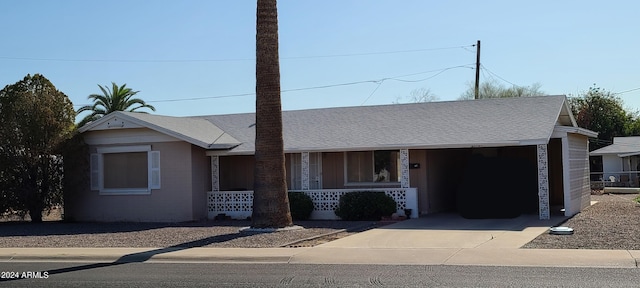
x: 617, y: 165
x: 488, y: 155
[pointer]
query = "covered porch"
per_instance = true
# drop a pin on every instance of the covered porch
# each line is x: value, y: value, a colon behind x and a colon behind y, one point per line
x: 324, y: 177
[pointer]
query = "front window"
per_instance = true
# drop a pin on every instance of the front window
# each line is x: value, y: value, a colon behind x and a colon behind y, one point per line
x: 125, y: 170
x: 373, y: 166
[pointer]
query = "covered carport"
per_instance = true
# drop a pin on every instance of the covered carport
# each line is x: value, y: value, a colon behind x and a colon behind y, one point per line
x: 495, y: 182
x: 506, y: 181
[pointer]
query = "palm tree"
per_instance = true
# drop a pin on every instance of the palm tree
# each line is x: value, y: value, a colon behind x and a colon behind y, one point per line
x: 270, y: 200
x: 111, y: 100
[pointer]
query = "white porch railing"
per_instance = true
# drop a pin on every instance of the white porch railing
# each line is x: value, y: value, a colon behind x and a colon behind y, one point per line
x: 238, y: 204
x: 618, y: 181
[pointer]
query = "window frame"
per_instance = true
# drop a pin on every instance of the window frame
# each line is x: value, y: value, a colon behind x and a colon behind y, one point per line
x: 372, y: 183
x: 97, y: 170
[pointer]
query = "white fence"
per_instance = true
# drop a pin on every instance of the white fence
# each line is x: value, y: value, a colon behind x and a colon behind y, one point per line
x: 238, y: 204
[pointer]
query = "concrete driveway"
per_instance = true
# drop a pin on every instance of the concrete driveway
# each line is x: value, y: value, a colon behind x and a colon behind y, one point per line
x: 450, y: 231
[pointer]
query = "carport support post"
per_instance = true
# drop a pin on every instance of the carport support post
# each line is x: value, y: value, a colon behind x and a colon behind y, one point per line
x: 543, y: 182
x: 304, y: 161
x: 215, y: 174
x: 404, y: 168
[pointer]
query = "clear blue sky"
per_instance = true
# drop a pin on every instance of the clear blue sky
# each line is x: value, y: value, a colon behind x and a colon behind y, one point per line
x: 180, y: 50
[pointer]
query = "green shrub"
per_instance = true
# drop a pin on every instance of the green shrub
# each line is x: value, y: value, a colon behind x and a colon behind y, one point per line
x: 365, y: 205
x: 637, y: 199
x: 300, y: 205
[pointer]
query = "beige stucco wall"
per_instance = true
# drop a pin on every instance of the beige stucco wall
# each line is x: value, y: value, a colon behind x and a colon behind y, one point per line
x: 174, y: 202
x: 418, y: 178
x: 201, y: 182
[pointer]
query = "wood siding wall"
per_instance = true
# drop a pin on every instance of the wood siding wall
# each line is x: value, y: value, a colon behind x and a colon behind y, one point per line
x: 236, y: 173
x: 579, y: 172
x: 333, y: 170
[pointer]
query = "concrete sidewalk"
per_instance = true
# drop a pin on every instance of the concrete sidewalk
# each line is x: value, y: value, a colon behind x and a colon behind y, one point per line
x: 440, y: 240
x: 333, y: 255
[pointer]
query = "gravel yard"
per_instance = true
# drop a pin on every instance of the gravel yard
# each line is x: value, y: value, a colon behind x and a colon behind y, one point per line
x: 197, y: 234
x: 612, y: 223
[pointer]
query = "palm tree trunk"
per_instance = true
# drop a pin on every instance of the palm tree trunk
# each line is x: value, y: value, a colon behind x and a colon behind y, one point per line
x: 270, y: 200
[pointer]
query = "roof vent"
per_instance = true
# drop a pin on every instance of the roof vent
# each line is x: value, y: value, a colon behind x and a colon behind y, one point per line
x: 115, y: 123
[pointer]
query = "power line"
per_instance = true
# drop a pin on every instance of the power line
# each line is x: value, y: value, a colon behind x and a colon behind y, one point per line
x: 526, y: 87
x: 380, y: 53
x: 229, y: 59
x: 372, y: 92
x: 432, y: 76
x: 202, y: 98
x: 627, y: 91
x: 505, y: 80
x: 376, y: 81
x: 498, y: 76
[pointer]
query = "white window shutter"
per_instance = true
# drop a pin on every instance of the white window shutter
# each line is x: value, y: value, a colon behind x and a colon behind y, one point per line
x: 154, y: 169
x: 94, y: 163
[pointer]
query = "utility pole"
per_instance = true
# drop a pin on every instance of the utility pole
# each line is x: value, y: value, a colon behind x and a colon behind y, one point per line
x: 477, y: 90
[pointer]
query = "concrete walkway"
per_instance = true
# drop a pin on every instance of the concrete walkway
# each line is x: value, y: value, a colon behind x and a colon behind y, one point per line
x: 437, y: 240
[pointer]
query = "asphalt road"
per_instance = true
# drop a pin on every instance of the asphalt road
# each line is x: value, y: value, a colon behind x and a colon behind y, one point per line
x: 63, y: 274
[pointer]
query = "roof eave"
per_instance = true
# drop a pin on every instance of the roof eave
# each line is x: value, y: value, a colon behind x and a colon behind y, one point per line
x: 629, y: 154
x: 576, y: 130
x: 154, y: 127
x: 529, y: 142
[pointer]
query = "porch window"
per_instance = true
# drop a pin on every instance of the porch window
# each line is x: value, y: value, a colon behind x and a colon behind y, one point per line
x: 315, y: 171
x: 373, y: 166
x: 125, y: 170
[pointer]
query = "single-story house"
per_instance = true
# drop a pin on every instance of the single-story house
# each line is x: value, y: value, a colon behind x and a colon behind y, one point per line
x: 615, y: 167
x: 521, y: 155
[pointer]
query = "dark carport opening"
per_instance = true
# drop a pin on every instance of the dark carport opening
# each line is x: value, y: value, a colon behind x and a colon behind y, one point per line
x: 486, y: 183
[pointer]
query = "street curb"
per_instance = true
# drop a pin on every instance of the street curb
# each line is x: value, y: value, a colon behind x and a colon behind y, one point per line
x: 308, y: 255
x: 117, y: 255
